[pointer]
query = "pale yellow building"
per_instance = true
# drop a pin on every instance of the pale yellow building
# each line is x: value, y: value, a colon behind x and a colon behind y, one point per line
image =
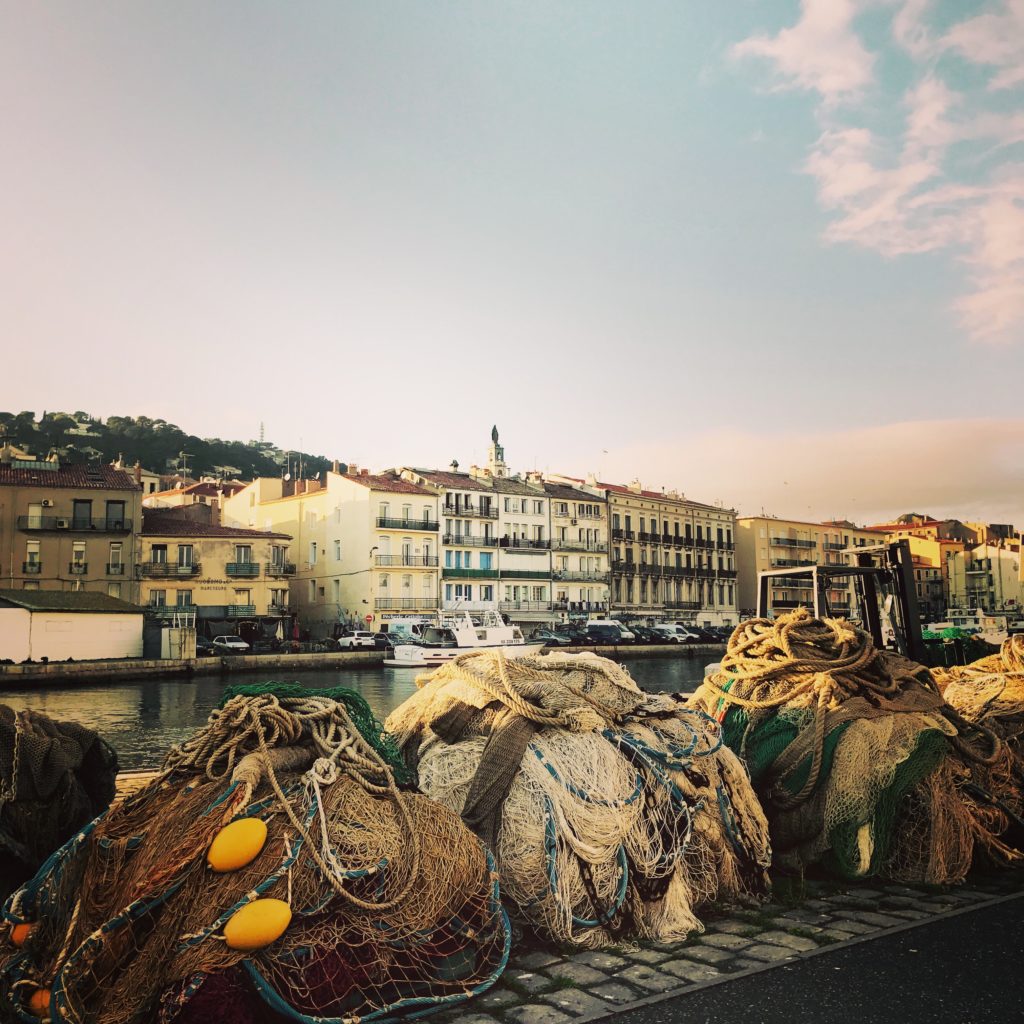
x: 67, y: 527
x: 986, y: 578
x: 224, y: 576
x: 365, y: 545
x: 766, y: 542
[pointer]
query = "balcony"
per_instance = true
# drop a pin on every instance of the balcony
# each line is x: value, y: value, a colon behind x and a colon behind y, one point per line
x: 31, y: 568
x: 164, y: 569
x: 526, y: 574
x: 426, y: 602
x: 649, y: 569
x: 384, y: 523
x: 565, y: 544
x: 412, y: 561
x: 524, y: 544
x: 597, y: 576
x: 790, y: 563
x: 791, y: 583
x: 118, y: 525
x: 281, y: 569
x: 469, y: 574
x: 470, y: 511
x: 247, y: 570
x: 833, y: 546
x: 524, y: 606
x: 625, y: 567
x: 687, y: 606
x: 793, y: 604
x: 465, y: 541
x: 790, y: 542
x: 167, y: 611
x: 115, y: 569
x: 241, y: 611
x: 78, y: 568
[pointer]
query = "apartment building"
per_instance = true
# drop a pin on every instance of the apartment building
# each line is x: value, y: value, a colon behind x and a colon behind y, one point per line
x: 223, y: 576
x: 986, y: 578
x: 580, y: 566
x: 365, y: 545
x: 766, y: 542
x: 67, y: 527
x: 671, y: 558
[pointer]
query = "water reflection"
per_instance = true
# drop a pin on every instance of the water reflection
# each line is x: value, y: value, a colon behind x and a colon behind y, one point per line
x: 143, y: 718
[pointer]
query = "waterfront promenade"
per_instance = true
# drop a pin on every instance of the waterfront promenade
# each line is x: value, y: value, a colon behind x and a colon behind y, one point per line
x: 831, y: 952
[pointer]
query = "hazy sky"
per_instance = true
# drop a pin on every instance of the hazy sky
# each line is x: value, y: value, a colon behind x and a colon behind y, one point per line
x: 771, y: 253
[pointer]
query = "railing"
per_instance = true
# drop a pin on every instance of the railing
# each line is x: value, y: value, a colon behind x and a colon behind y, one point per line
x: 524, y: 606
x: 829, y: 545
x: 624, y: 567
x: 689, y: 606
x: 726, y: 574
x: 281, y: 569
x: 793, y: 604
x: 524, y: 544
x: 526, y: 574
x: 789, y: 542
x: 241, y: 611
x: 420, y: 561
x: 115, y: 525
x: 78, y: 568
x: 115, y: 569
x: 560, y: 544
x: 405, y: 603
x: 784, y: 582
x: 649, y: 569
x: 167, y: 611
x: 247, y: 569
x: 469, y: 574
x: 384, y: 523
x: 597, y: 576
x: 163, y: 569
x: 464, y: 540
x: 645, y: 538
x: 791, y: 563
x: 31, y: 568
x: 473, y: 511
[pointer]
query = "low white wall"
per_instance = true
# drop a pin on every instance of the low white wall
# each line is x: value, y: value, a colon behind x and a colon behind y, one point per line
x: 15, y: 626
x: 85, y: 636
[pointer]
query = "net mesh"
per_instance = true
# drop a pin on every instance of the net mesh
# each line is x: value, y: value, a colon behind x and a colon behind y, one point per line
x: 857, y: 758
x: 612, y: 813
x: 395, y: 905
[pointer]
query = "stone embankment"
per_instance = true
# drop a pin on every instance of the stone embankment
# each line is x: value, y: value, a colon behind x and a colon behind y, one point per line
x: 70, y: 672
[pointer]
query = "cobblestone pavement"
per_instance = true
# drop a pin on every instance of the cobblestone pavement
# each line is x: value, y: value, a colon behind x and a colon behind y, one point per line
x: 550, y: 987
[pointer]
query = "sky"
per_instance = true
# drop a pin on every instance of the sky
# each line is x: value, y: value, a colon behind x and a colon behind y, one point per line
x: 765, y: 253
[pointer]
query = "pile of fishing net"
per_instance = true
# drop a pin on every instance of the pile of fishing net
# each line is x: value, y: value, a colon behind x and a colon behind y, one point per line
x: 859, y: 761
x: 990, y: 692
x: 273, y: 871
x: 55, y: 777
x: 612, y: 813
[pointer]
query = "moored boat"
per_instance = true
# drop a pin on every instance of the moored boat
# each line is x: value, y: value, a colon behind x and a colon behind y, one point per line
x: 434, y: 644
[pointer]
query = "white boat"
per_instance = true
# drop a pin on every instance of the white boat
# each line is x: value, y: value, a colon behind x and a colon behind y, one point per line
x: 428, y: 643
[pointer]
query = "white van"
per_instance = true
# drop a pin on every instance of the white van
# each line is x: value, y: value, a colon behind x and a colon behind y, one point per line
x: 628, y: 635
x: 673, y: 633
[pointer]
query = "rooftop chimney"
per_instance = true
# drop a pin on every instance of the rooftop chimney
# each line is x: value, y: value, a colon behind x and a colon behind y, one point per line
x: 138, y: 469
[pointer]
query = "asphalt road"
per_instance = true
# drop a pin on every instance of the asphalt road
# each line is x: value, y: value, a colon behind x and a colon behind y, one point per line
x: 966, y: 969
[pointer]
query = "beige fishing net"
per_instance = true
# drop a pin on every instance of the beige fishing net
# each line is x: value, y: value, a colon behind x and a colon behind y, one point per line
x: 612, y: 813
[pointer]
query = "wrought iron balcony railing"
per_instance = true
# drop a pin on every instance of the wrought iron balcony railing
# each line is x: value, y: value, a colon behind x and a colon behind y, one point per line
x: 386, y: 523
x: 249, y: 570
x: 76, y: 525
x: 166, y: 569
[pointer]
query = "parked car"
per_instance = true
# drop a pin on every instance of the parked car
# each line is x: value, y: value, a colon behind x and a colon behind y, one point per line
x: 382, y: 641
x: 577, y: 634
x: 603, y: 633
x: 204, y: 647
x: 646, y: 635
x: 551, y: 637
x: 229, y: 645
x: 673, y: 634
x: 704, y: 636
x: 351, y: 638
x: 625, y: 635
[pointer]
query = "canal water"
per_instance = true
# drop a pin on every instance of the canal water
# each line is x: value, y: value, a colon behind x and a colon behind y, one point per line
x: 141, y: 719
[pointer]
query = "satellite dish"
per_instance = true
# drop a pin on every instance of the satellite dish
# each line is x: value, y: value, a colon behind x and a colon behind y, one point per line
x: 287, y: 476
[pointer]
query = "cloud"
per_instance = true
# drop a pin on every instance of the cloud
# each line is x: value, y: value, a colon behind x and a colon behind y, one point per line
x: 965, y: 469
x: 820, y: 53
x: 943, y: 180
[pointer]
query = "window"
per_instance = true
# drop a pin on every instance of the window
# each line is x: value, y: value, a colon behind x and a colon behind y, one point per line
x: 406, y: 512
x: 336, y: 591
x: 243, y: 597
x: 78, y: 552
x: 383, y: 510
x: 115, y: 515
x: 447, y: 591
x: 538, y: 508
x: 183, y: 598
x: 426, y: 513
x: 243, y: 554
x: 115, y: 558
x: 113, y: 590
x: 81, y: 515
x: 185, y: 555
x: 32, y: 553
x: 312, y: 553
x: 406, y: 582
x: 540, y: 593
x: 384, y: 581
x: 30, y: 585
x: 158, y: 598
x: 487, y: 592
x: 158, y: 554
x: 312, y: 591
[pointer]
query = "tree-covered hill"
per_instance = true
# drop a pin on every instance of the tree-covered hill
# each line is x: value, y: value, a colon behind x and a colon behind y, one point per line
x: 157, y: 444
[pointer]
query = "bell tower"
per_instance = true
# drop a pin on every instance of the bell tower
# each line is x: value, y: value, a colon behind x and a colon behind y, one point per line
x: 496, y: 456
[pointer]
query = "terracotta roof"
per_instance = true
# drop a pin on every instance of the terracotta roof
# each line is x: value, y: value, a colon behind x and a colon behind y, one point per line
x: 66, y: 601
x: 893, y: 527
x: 660, y: 496
x: 383, y: 482
x: 204, y: 488
x: 94, y: 477
x: 168, y: 523
x: 556, y: 490
x: 447, y: 478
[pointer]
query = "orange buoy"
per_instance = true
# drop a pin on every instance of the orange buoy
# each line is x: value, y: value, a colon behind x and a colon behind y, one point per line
x: 21, y: 932
x: 237, y: 844
x: 39, y: 1002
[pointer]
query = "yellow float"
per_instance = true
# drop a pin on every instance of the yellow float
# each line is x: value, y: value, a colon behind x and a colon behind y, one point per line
x: 257, y: 924
x: 20, y: 933
x: 237, y: 844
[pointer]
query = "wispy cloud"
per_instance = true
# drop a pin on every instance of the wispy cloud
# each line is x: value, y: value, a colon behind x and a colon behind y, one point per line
x: 911, y: 190
x: 978, y: 470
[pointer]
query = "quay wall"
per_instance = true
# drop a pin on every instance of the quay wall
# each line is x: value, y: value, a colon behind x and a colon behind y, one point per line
x: 68, y: 672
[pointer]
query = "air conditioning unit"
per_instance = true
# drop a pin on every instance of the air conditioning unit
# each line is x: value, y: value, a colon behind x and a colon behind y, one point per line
x: 574, y: 521
x: 46, y: 503
x: 63, y: 524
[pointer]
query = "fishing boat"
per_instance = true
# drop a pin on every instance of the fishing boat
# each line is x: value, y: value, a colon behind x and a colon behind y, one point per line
x: 424, y: 644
